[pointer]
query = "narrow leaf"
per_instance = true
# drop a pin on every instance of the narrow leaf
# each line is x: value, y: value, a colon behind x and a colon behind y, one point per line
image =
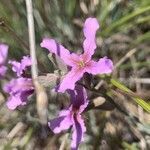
x: 145, y: 105
x: 125, y: 19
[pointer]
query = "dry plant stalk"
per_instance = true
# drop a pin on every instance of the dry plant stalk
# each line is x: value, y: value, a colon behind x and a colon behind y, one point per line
x: 41, y: 96
x: 64, y: 142
x: 124, y: 58
x: 17, y: 128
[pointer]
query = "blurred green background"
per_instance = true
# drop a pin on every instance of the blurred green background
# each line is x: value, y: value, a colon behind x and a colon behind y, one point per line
x: 124, y: 26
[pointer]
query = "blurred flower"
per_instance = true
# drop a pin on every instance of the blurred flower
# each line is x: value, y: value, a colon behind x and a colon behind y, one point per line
x: 80, y: 63
x: 72, y: 116
x: 3, y: 57
x: 20, y: 67
x: 21, y: 87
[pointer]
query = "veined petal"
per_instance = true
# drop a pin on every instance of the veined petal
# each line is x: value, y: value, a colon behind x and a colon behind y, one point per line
x: 78, y: 96
x: 70, y: 79
x: 24, y: 96
x: 91, y: 25
x: 78, y: 132
x: 61, y: 123
x: 81, y: 94
x: 103, y: 66
x: 58, y: 50
x: 14, y: 101
x: 3, y: 53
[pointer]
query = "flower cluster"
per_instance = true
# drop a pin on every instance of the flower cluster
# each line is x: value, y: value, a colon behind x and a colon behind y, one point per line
x: 79, y: 64
x: 21, y: 87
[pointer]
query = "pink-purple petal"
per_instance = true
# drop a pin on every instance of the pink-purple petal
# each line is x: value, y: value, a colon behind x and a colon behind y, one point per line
x: 3, y: 70
x: 25, y: 62
x: 103, y: 66
x: 19, y: 67
x: 3, y: 53
x: 19, y: 84
x: 16, y: 67
x: 70, y: 79
x: 19, y: 89
x: 58, y: 50
x: 14, y: 101
x: 91, y: 25
x: 64, y: 112
x: 78, y: 132
x: 83, y: 106
x: 78, y: 96
x: 61, y: 123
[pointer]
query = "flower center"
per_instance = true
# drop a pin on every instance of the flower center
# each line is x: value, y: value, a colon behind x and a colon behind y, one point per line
x: 75, y: 111
x: 81, y: 64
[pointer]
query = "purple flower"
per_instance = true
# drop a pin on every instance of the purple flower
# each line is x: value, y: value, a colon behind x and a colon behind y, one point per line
x: 19, y: 67
x: 80, y: 63
x: 71, y: 117
x: 21, y: 87
x: 3, y: 57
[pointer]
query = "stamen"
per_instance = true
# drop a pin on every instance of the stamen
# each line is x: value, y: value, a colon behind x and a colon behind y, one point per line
x: 81, y: 64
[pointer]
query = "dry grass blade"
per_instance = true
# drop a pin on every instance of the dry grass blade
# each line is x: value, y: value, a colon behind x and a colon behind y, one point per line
x: 124, y: 58
x: 41, y: 99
